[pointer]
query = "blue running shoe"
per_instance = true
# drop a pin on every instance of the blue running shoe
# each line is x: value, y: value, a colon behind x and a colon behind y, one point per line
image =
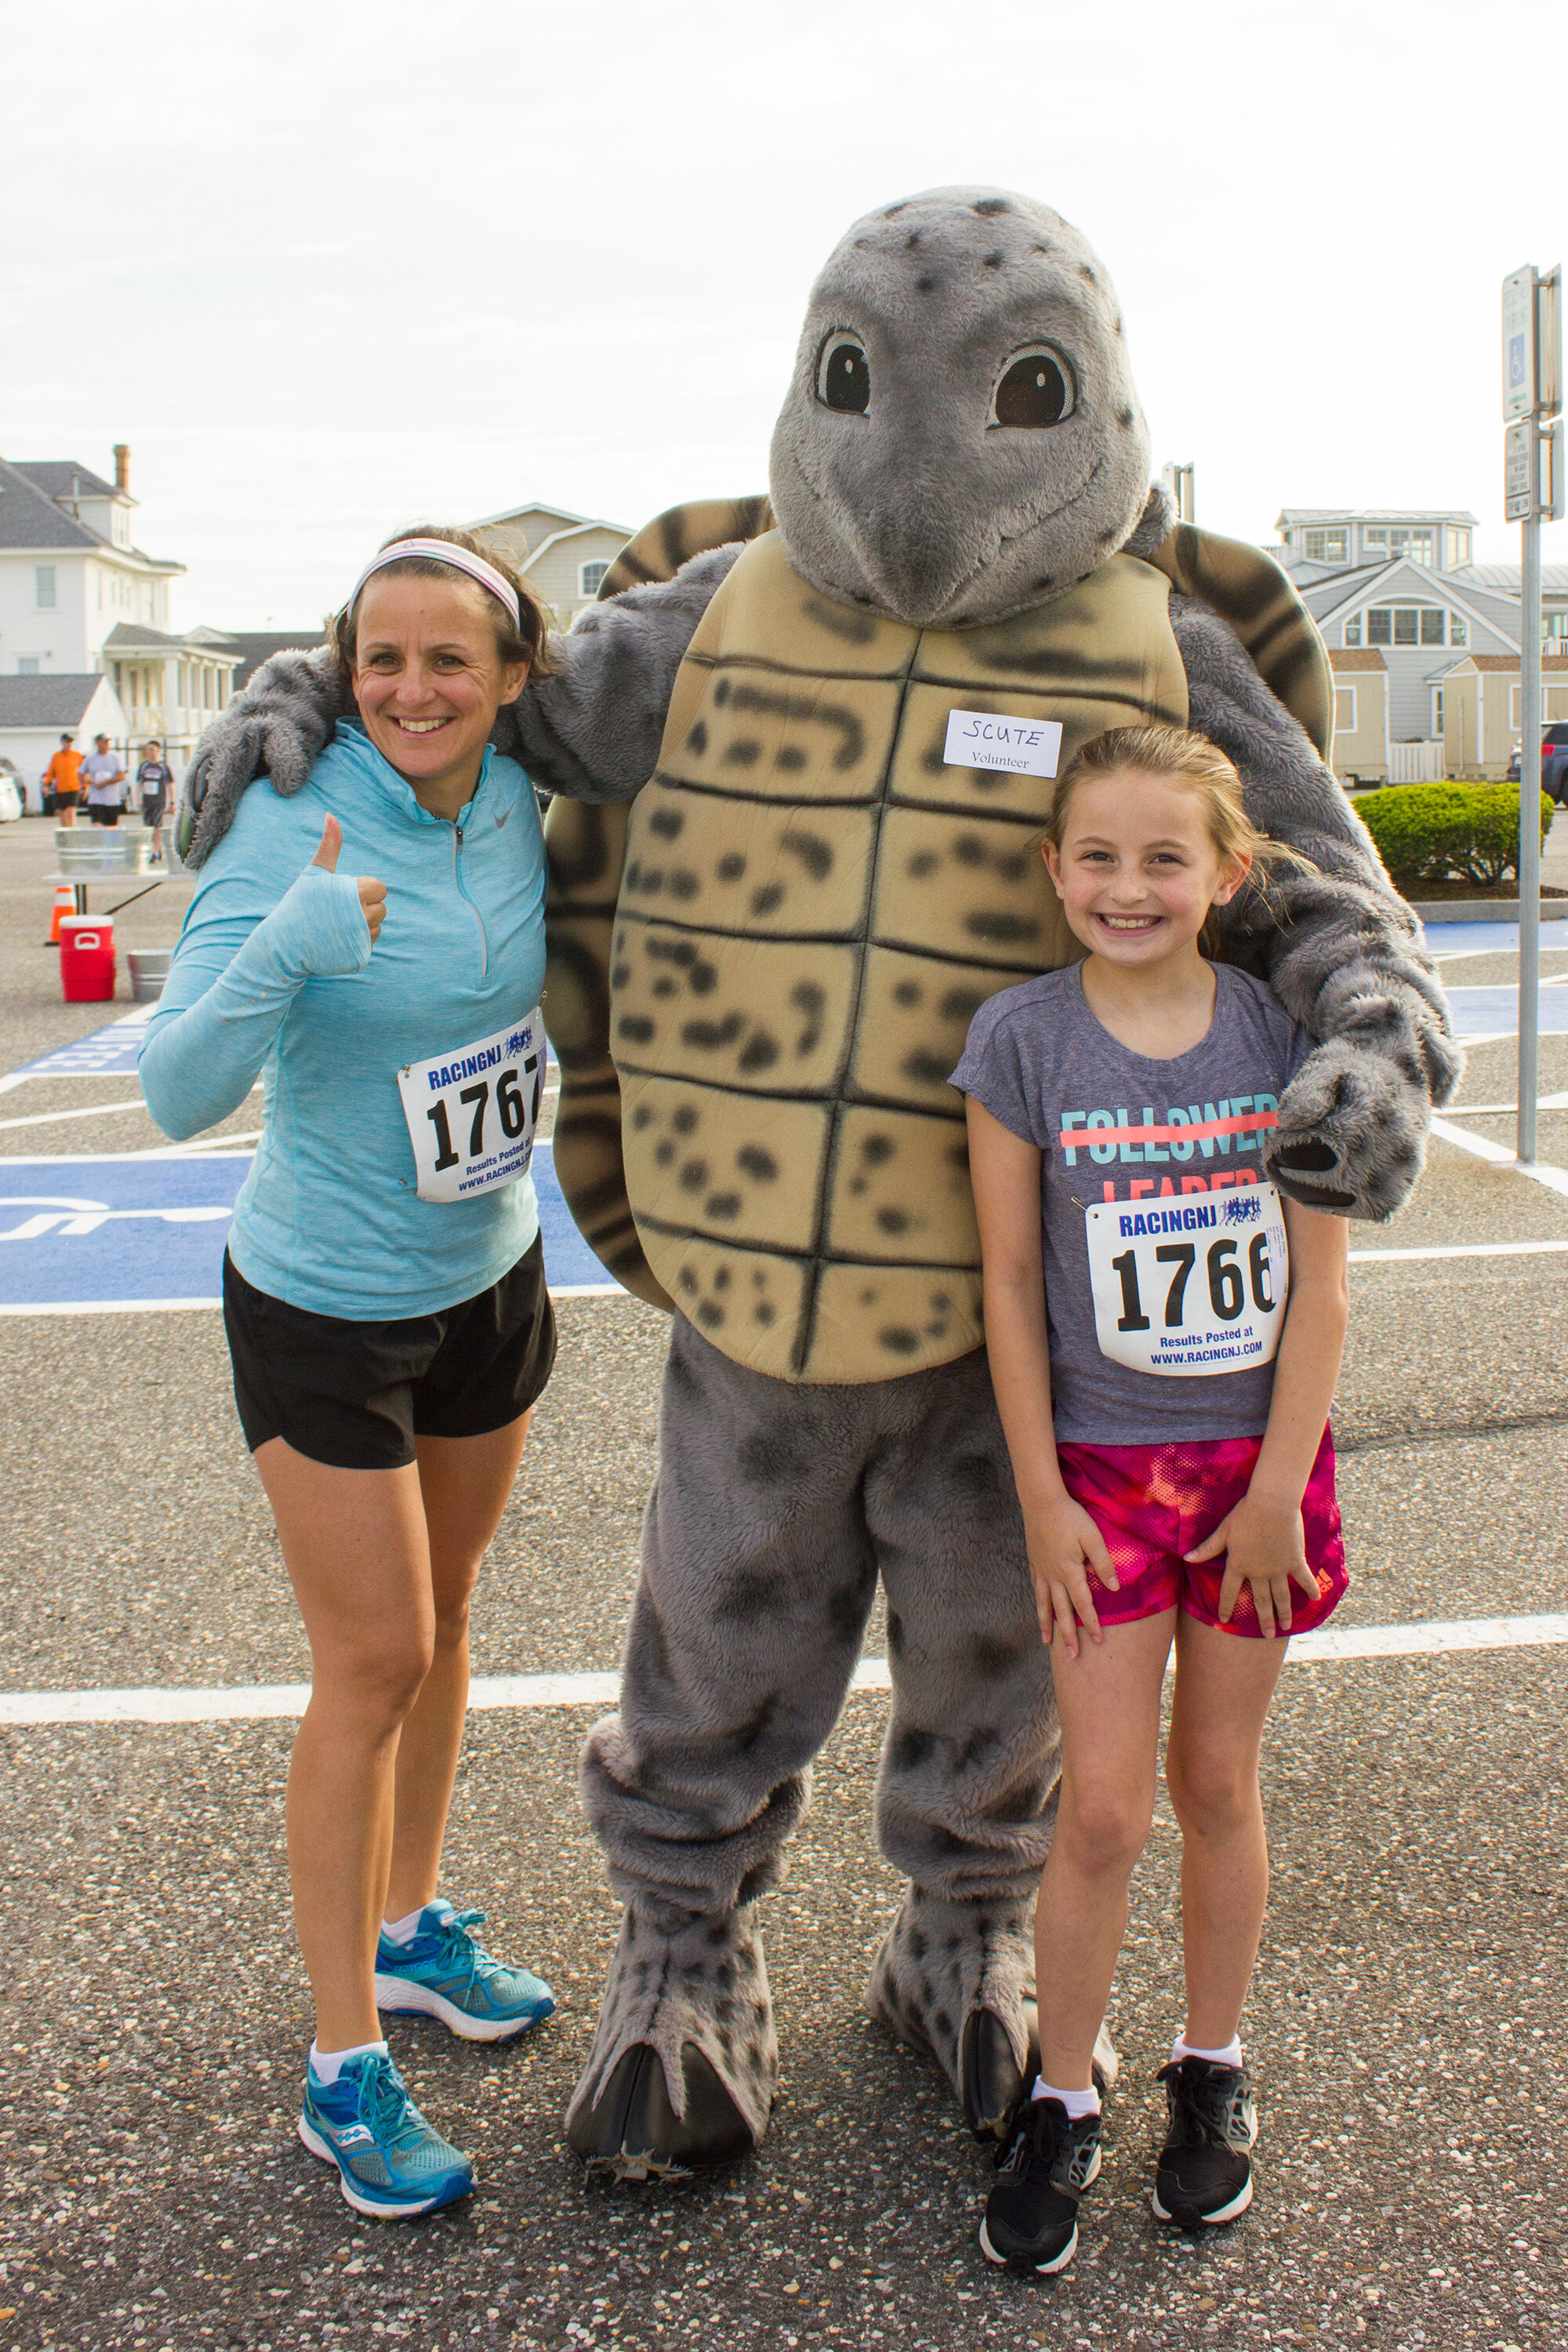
x: 442, y: 1972
x: 391, y: 2165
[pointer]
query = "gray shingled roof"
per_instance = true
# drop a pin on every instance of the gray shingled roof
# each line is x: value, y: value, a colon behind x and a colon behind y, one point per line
x: 54, y: 477
x: 258, y: 645
x: 135, y: 636
x: 29, y: 516
x: 56, y: 698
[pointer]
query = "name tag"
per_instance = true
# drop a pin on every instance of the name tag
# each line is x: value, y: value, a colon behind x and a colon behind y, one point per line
x: 471, y: 1114
x: 1025, y: 746
x: 1195, y: 1288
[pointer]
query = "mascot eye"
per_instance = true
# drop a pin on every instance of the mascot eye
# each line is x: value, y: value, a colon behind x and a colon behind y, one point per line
x: 1035, y: 388
x: 843, y: 373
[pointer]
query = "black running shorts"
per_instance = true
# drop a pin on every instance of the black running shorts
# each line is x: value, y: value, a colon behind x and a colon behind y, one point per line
x: 355, y: 1395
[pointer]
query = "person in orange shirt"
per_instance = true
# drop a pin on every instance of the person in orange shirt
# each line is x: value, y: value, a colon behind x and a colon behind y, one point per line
x: 63, y: 778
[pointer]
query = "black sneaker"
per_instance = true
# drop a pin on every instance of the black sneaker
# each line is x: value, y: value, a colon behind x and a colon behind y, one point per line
x: 1031, y: 2215
x: 1206, y: 2169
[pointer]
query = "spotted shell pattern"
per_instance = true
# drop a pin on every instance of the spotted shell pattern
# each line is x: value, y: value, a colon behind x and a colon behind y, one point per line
x: 813, y: 907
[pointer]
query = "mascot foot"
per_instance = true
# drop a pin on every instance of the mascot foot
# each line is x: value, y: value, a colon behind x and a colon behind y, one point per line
x: 633, y: 2132
x: 956, y: 1982
x: 684, y: 2065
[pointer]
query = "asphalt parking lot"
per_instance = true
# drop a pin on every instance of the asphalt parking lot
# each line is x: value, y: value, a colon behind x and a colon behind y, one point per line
x: 1407, y: 2024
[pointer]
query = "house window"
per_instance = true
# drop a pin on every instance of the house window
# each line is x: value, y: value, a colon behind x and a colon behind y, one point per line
x: 1555, y: 624
x: 1436, y: 711
x: 1352, y: 630
x: 27, y: 666
x: 1344, y: 710
x: 1326, y: 546
x: 1387, y: 542
x: 1458, y: 629
x: 1404, y: 624
x: 44, y: 587
x: 589, y: 576
x: 1457, y: 546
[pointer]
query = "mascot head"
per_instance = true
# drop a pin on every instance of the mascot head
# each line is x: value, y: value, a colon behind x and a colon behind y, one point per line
x: 960, y: 437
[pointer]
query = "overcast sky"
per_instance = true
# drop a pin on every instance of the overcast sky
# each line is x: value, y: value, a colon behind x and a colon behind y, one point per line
x: 332, y: 266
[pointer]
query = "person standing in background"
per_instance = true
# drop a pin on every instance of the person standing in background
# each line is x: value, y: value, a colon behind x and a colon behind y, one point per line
x: 62, y: 777
x: 153, y: 778
x: 103, y: 772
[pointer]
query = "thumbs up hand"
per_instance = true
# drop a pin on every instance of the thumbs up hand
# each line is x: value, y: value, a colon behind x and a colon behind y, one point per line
x: 371, y: 894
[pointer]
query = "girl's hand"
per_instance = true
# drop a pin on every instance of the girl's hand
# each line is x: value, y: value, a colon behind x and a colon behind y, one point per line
x: 372, y: 894
x: 1064, y: 1545
x: 1265, y: 1547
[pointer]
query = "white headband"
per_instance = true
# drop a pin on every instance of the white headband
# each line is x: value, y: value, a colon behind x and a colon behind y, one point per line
x: 442, y: 552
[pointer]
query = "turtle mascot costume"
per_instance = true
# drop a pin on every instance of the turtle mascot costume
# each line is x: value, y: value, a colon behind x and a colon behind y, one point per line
x: 777, y: 899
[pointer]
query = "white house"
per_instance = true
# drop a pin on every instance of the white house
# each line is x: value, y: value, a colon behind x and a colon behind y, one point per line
x: 1401, y: 585
x: 78, y: 597
x: 35, y: 712
x: 565, y: 555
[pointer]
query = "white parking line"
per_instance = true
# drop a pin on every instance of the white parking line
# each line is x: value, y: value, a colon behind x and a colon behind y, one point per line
x: 1456, y: 1249
x: 257, y: 1702
x: 1540, y: 1171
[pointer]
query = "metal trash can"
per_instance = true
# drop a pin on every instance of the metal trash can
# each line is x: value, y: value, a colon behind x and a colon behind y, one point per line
x: 149, y: 971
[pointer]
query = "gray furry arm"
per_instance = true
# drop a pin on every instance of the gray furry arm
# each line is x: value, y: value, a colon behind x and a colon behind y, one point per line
x: 275, y: 729
x: 591, y: 730
x: 1340, y: 947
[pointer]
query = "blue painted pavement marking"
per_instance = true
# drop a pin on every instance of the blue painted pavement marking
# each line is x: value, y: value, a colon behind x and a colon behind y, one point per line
x: 139, y: 1230
x: 1490, y: 939
x: 107, y: 1053
x: 1494, y: 1012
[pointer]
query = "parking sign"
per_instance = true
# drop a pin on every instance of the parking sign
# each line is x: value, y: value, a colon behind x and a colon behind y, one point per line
x: 1519, y: 344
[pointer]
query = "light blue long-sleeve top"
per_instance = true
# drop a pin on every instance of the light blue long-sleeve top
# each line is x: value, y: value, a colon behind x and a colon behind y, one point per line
x: 275, y: 974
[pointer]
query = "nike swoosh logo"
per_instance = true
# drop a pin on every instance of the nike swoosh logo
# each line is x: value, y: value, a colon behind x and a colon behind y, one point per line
x: 502, y: 815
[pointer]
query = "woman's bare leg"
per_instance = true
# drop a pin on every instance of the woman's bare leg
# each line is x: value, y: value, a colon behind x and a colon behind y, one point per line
x: 465, y: 1482
x: 1109, y: 1701
x: 1224, y: 1686
x: 354, y: 1545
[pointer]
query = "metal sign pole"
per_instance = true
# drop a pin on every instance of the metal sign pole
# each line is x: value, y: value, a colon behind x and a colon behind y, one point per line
x: 1530, y: 828
x: 1531, y: 394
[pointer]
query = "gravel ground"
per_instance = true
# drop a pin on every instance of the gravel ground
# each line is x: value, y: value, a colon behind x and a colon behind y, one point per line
x: 1405, y: 2025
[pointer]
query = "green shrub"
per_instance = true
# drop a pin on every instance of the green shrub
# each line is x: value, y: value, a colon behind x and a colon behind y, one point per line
x: 1447, y: 833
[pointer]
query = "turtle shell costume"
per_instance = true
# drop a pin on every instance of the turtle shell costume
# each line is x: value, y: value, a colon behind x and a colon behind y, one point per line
x: 763, y: 963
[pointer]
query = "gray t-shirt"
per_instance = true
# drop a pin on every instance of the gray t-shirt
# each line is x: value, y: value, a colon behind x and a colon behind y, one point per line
x: 1041, y: 1064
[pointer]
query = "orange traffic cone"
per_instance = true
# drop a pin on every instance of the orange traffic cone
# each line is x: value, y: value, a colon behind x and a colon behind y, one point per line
x: 65, y: 904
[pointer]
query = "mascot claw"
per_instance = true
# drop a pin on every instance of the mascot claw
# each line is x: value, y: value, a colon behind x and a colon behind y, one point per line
x: 632, y: 2131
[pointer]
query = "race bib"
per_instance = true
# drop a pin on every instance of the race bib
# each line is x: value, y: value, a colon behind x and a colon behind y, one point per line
x: 1199, y: 1288
x: 471, y: 1114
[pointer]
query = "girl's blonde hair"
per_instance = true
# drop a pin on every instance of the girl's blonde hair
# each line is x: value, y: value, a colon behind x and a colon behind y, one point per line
x: 1176, y: 756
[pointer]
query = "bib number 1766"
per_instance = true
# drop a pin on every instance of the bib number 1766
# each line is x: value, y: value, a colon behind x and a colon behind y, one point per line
x: 1196, y: 1289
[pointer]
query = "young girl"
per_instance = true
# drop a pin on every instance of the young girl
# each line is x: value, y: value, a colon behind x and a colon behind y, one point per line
x: 1165, y: 1334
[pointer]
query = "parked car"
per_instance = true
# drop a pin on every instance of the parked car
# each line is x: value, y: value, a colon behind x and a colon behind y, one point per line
x: 13, y: 799
x: 1554, y: 763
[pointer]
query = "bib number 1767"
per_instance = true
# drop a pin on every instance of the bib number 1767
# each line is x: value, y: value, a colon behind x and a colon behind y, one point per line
x: 471, y: 1114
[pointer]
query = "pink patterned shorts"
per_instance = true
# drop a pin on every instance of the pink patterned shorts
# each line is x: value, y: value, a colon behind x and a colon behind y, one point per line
x: 1153, y: 1503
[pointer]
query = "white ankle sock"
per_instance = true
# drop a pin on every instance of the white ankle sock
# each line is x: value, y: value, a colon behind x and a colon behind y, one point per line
x: 1076, y: 2103
x: 1230, y: 2056
x: 327, y: 2064
x: 403, y: 1931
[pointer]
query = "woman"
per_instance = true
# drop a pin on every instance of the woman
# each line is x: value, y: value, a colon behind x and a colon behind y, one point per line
x: 374, y: 947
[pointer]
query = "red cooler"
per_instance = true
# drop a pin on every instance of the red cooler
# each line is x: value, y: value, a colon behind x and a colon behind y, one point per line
x: 87, y: 957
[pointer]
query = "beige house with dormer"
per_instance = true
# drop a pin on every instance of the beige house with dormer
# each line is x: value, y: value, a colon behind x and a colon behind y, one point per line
x: 565, y: 555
